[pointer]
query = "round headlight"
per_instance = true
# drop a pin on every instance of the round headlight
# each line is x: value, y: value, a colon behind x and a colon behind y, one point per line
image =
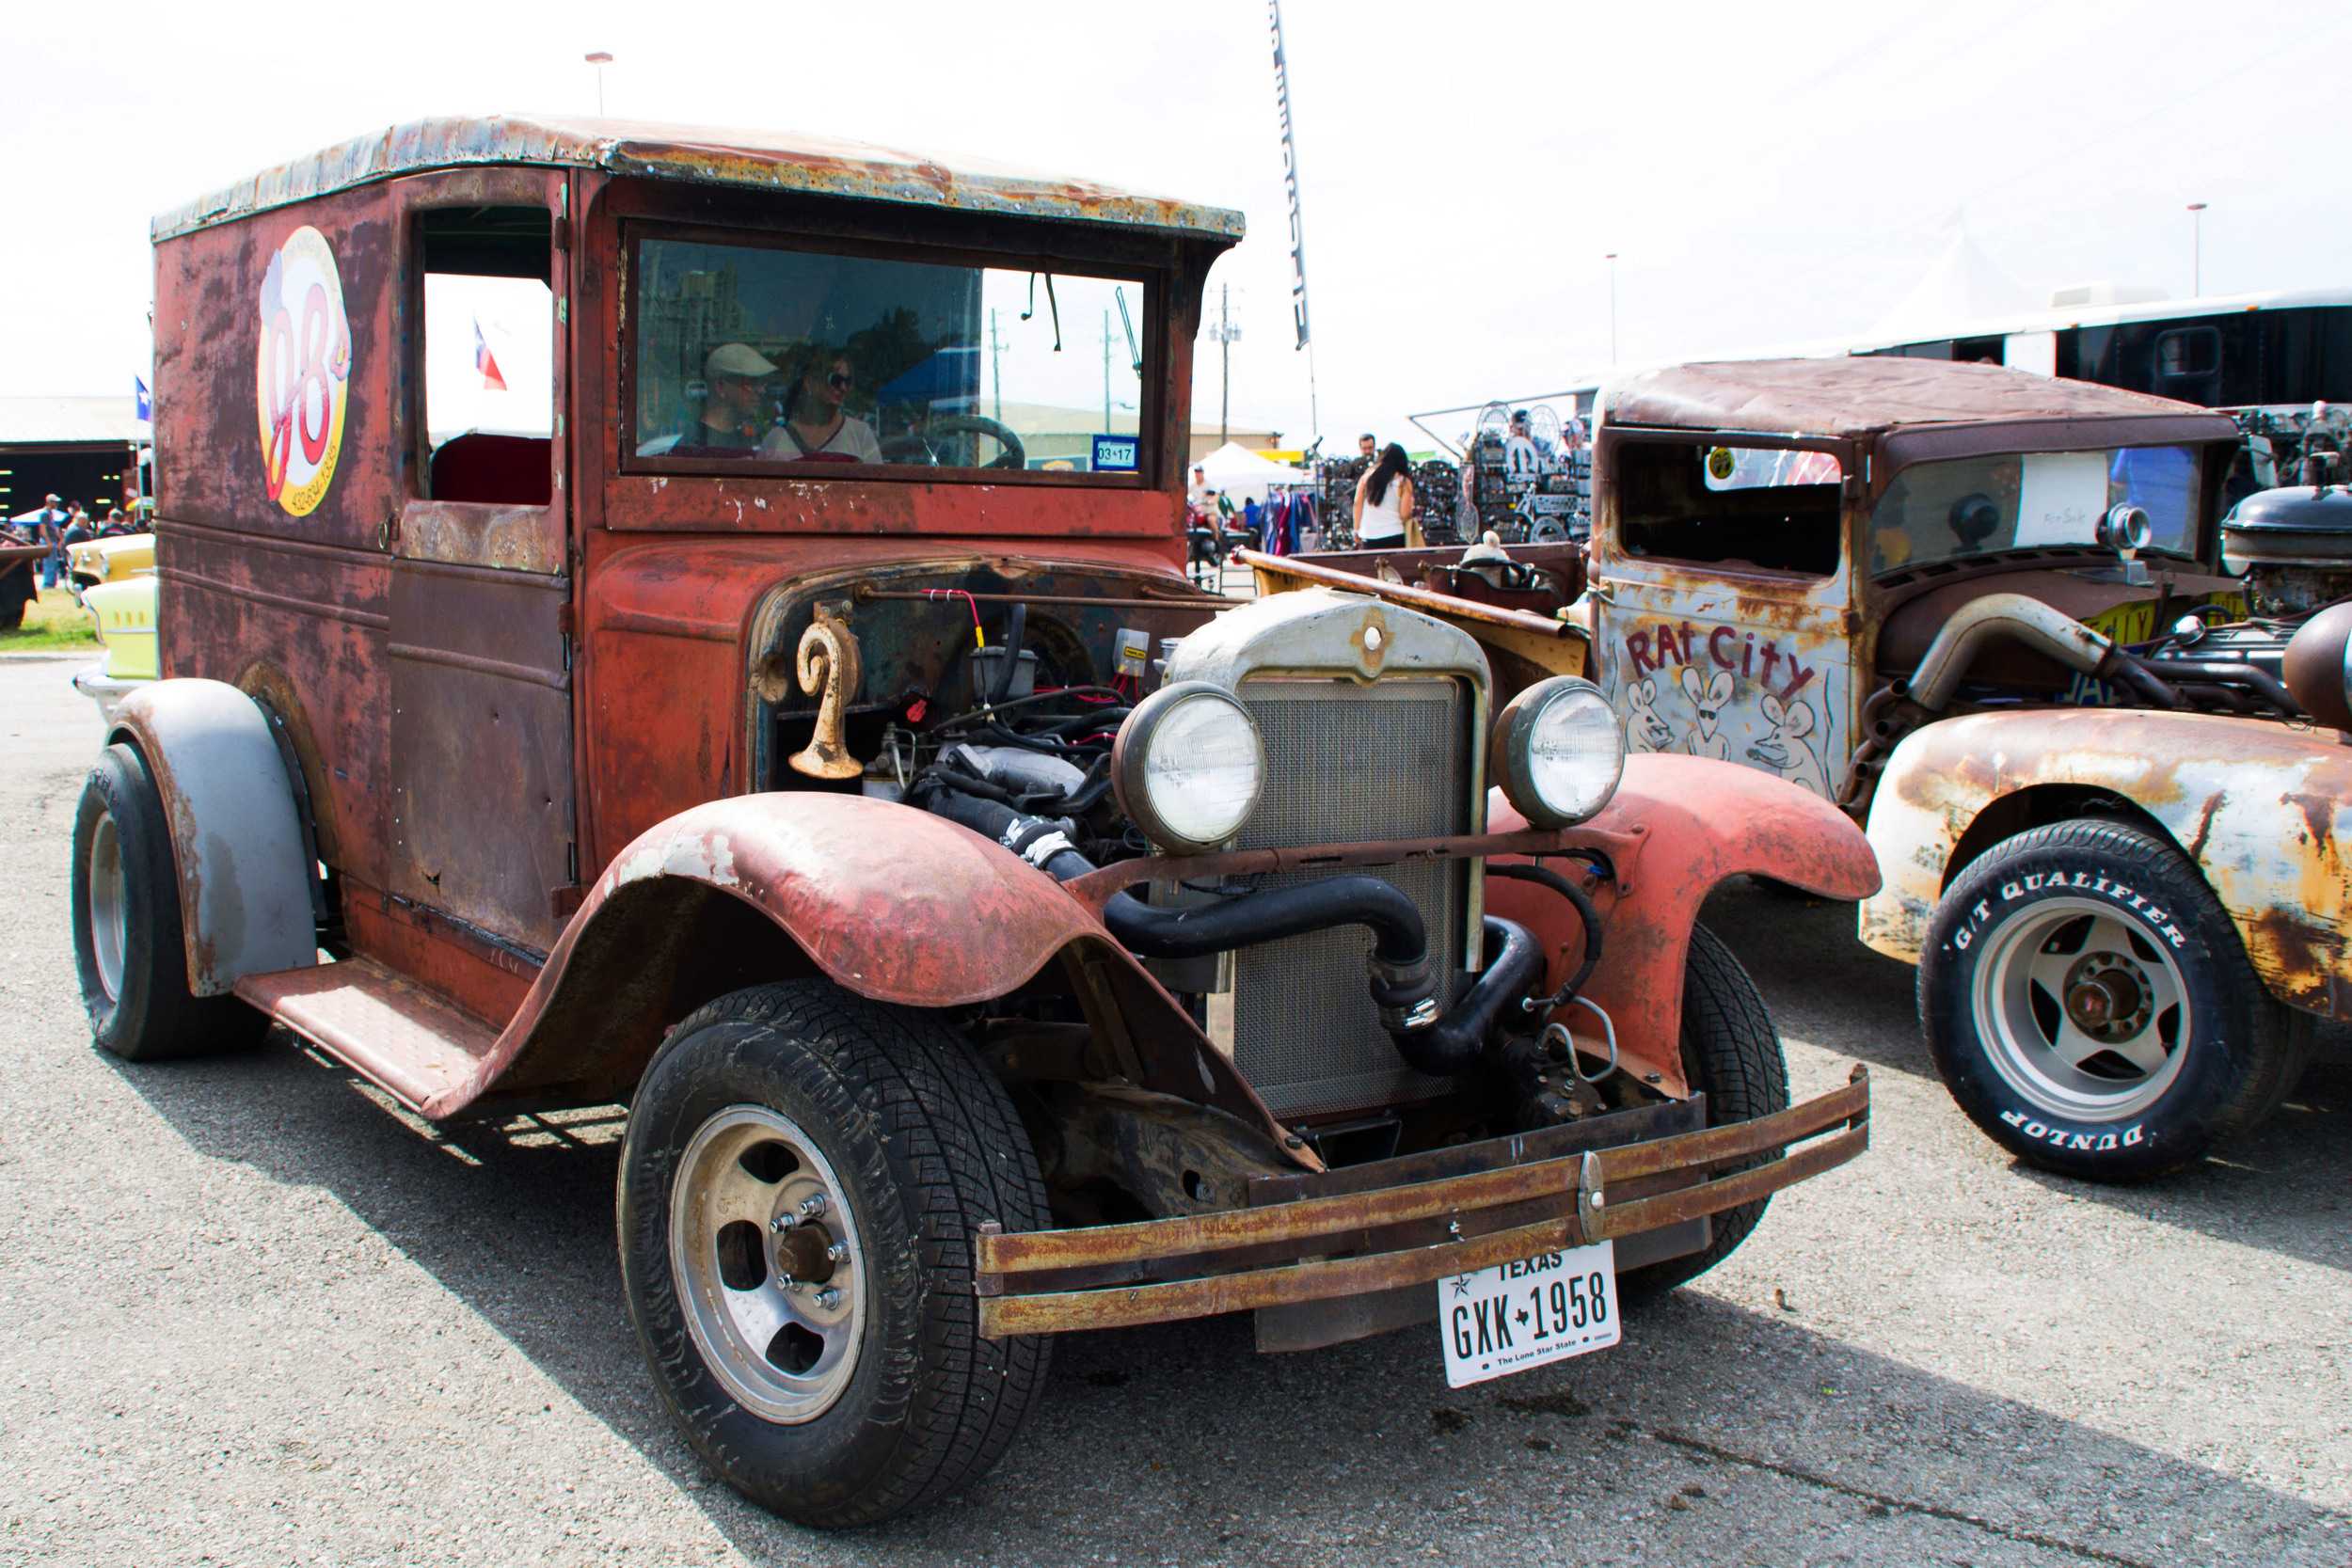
x: 1558, y: 751
x: 1189, y: 764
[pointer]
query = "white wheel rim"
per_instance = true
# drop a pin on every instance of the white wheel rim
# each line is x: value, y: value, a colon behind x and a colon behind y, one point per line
x: 2082, y: 1011
x: 767, y: 1263
x: 109, y: 916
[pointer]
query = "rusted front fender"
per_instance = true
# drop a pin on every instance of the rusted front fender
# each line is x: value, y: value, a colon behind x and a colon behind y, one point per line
x: 1677, y: 829
x: 2264, y: 809
x: 887, y: 901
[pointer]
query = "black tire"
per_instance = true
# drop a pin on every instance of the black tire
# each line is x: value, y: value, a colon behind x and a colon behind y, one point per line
x: 1731, y: 1051
x: 924, y: 1145
x: 2228, y: 1057
x: 140, y: 1007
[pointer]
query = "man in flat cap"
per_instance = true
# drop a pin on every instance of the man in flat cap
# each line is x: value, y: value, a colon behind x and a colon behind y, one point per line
x: 734, y: 416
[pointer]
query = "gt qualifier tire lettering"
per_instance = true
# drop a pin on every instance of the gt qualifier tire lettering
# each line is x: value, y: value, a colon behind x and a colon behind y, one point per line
x: 2089, y: 1003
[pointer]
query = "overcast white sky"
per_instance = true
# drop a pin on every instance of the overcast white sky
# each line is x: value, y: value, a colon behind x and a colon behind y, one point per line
x: 1767, y: 174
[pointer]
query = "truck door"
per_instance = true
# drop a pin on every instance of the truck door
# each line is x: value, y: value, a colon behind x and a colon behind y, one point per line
x: 1722, y: 614
x: 480, y: 647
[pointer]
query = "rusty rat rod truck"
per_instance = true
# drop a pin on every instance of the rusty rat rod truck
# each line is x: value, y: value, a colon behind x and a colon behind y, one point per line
x: 990, y: 935
x: 2096, y: 731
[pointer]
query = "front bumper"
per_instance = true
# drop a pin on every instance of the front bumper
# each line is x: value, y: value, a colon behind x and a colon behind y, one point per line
x: 1316, y: 1238
x: 106, y: 690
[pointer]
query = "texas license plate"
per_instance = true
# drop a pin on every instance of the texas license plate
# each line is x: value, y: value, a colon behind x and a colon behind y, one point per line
x: 1497, y: 1321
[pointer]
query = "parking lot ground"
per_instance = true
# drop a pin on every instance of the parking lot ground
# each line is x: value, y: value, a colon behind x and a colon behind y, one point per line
x: 253, y: 1317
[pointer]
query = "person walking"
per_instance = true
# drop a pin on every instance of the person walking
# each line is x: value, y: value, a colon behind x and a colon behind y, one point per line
x: 1253, y: 522
x: 1383, y: 502
x: 49, y: 529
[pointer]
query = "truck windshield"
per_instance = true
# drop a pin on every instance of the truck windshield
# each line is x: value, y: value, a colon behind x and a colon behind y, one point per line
x: 765, y: 356
x: 1982, y: 506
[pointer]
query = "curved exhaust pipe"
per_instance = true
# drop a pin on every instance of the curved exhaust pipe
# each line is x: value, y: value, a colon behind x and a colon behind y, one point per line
x: 2017, y: 618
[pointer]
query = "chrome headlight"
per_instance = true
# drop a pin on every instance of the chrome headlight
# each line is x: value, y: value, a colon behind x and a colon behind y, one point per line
x: 1558, y: 751
x: 1189, y: 764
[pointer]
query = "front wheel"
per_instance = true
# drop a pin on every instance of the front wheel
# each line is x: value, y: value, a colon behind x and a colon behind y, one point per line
x: 1731, y: 1052
x: 800, y: 1184
x: 2088, y: 1005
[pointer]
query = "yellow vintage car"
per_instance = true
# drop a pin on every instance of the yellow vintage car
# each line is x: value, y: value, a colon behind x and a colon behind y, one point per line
x: 109, y: 560
x: 125, y: 613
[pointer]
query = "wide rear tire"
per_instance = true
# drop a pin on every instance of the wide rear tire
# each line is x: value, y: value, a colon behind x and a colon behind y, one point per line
x: 128, y: 942
x: 803, y: 1179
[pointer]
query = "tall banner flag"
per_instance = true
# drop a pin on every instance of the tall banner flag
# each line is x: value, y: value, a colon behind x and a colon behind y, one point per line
x: 142, y: 401
x: 484, y: 362
x: 1290, y: 175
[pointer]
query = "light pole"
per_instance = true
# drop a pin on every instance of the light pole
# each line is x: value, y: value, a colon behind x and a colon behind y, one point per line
x: 1612, y: 260
x: 1224, y: 332
x: 2196, y: 249
x: 599, y: 58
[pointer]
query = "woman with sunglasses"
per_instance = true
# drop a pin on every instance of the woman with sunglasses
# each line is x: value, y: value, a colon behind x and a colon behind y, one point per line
x: 815, y: 427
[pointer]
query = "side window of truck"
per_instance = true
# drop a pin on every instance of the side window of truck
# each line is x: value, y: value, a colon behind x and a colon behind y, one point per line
x: 489, y: 348
x: 1771, y: 509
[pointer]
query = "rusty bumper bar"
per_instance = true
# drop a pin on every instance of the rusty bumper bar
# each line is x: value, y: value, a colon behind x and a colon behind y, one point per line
x: 1042, y: 1281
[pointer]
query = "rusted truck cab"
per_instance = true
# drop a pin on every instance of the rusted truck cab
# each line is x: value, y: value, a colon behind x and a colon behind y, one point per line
x: 715, y: 694
x: 1998, y: 617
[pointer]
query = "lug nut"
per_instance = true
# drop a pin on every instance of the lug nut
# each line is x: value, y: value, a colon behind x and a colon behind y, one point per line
x: 813, y: 1206
x: 828, y: 1298
x: 838, y: 1253
x: 783, y: 1223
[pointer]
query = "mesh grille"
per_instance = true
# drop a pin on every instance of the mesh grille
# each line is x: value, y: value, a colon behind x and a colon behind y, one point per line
x: 1346, y: 763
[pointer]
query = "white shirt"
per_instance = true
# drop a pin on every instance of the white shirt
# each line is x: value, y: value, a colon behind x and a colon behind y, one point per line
x: 853, y: 438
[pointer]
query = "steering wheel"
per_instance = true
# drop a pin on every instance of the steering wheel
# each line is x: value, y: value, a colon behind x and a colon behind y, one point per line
x: 1013, y: 456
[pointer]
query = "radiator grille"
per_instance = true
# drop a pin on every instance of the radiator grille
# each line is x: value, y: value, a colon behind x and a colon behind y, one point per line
x: 1348, y: 763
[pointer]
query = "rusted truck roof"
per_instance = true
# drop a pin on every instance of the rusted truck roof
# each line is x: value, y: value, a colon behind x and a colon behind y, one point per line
x: 760, y: 160
x: 1867, y: 395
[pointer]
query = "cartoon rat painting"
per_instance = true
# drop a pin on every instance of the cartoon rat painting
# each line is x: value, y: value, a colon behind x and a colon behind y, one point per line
x: 1644, y: 730
x: 1706, y: 737
x: 1784, y: 748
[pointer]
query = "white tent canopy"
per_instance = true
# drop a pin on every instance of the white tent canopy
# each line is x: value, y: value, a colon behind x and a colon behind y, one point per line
x: 1242, y: 473
x: 1964, y: 285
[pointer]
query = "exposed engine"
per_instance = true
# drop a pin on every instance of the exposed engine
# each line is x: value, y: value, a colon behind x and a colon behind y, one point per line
x: 1187, y: 750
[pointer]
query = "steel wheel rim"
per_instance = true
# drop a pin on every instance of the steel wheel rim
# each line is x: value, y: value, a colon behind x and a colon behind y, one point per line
x: 2057, y: 964
x: 784, y: 1354
x: 109, y: 915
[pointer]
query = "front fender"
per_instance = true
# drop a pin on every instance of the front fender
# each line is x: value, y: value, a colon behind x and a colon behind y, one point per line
x: 2263, y: 809
x: 883, y: 899
x: 1677, y: 829
x: 890, y: 902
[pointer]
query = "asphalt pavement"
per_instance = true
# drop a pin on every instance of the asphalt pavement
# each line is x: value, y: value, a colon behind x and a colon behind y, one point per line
x: 249, y: 1314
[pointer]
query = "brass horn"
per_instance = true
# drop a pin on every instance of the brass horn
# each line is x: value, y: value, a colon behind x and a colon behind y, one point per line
x: 828, y: 660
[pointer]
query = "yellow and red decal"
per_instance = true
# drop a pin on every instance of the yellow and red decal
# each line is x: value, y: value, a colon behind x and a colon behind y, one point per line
x: 302, y: 380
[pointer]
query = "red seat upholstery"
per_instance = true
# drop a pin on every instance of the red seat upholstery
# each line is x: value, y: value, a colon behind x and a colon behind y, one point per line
x: 510, y: 470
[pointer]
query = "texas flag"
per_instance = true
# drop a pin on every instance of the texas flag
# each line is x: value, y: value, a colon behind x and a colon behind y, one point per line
x: 142, y: 401
x: 485, y: 363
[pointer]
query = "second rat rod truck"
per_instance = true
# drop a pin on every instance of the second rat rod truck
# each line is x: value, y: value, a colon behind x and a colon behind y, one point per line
x: 990, y: 935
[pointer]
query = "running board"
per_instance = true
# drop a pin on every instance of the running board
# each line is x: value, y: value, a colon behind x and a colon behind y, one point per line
x: 405, y: 1037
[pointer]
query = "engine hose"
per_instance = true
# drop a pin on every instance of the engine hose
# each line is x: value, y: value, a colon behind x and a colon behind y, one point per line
x: 1430, y: 1037
x: 1457, y: 1043
x: 1545, y: 876
x: 1016, y: 625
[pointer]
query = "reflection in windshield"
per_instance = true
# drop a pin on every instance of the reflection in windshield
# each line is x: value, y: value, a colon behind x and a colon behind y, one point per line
x: 1936, y: 511
x: 795, y: 357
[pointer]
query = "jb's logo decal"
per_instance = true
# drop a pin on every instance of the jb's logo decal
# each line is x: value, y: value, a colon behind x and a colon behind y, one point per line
x: 302, y: 379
